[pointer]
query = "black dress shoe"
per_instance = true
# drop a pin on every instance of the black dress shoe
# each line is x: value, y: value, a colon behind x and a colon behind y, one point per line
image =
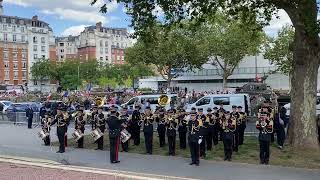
x: 197, y: 164
x: 115, y: 162
x: 192, y: 163
x: 58, y: 152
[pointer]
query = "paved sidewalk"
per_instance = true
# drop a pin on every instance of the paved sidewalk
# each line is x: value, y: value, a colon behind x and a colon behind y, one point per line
x: 19, y: 141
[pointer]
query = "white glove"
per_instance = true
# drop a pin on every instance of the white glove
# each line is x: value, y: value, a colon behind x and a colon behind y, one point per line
x: 199, y: 141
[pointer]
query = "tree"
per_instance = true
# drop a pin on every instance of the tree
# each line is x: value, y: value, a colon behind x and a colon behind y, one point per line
x: 228, y: 42
x: 42, y: 70
x: 171, y: 52
x: 303, y: 14
x: 279, y: 50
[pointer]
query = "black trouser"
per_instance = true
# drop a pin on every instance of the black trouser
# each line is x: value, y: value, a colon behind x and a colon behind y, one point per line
x: 183, y: 139
x: 264, y: 151
x: 172, y: 145
x: 203, y: 147
x: 281, y: 135
x: 242, y: 128
x: 194, y: 150
x: 136, y: 135
x: 125, y: 146
x: 80, y: 141
x: 148, y: 136
x: 114, y: 148
x: 162, y: 137
x: 61, y: 133
x: 236, y: 140
x: 47, y: 141
x: 100, y: 140
x: 272, y: 137
x: 228, y: 144
x: 216, y: 136
x: 319, y: 132
x: 29, y: 123
x: 209, y: 138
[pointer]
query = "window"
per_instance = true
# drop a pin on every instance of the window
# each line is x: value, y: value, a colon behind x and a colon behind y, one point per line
x: 101, y: 43
x: 43, y: 40
x: 15, y: 47
x: 43, y: 49
x: 15, y: 74
x: 22, y: 29
x: 23, y: 38
x: 14, y: 28
x: 6, y: 74
x: 41, y: 30
x: 132, y: 101
x: 106, y: 50
x: 24, y: 55
x: 107, y: 58
x: 118, y: 58
x: 13, y: 21
x: 4, y: 20
x: 24, y: 64
x: 101, y: 50
x: 117, y: 45
x: 35, y: 56
x: 43, y: 56
x: 61, y: 44
x: 61, y: 57
x: 6, y: 64
x: 15, y: 65
x: 5, y: 55
x: 5, y: 37
x: 203, y: 101
x: 101, y: 58
x: 5, y: 27
x: 14, y: 38
x: 62, y: 50
x: 35, y: 40
x: 24, y: 74
x: 106, y: 44
x: 122, y: 45
x: 223, y: 100
x: 35, y: 48
x: 15, y: 55
x: 112, y: 51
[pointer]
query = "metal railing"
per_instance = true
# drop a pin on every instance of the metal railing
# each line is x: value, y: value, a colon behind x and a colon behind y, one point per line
x: 20, y: 118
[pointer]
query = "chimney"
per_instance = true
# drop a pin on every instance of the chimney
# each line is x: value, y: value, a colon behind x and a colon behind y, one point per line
x: 35, y: 18
x: 99, y: 26
x: 1, y: 8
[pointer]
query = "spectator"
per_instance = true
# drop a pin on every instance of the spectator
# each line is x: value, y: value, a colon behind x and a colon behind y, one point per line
x: 29, y: 114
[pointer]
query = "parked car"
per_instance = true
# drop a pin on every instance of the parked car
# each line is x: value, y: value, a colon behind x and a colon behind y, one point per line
x: 228, y: 100
x: 5, y: 105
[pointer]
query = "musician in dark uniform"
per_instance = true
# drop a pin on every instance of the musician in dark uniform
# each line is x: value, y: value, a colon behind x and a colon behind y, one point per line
x: 136, y: 117
x: 221, y: 112
x: 236, y: 116
x: 211, y: 118
x: 147, y: 122
x: 46, y: 123
x: 94, y: 112
x: 62, y: 120
x: 228, y: 124
x: 203, y: 131
x: 171, y: 125
x: 114, y: 126
x: 79, y: 123
x: 161, y: 128
x: 124, y: 118
x: 100, y: 122
x: 182, y: 129
x: 265, y: 127
x: 243, y: 124
x: 193, y: 138
x: 216, y: 127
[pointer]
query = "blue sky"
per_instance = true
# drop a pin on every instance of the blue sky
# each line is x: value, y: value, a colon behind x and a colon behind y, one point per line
x: 69, y: 17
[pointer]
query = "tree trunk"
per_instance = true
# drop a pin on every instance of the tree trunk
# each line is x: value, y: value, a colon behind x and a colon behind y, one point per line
x: 168, y: 84
x: 224, y: 81
x: 302, y: 132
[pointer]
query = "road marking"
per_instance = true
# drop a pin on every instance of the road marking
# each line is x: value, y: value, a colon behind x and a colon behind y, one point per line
x: 116, y: 173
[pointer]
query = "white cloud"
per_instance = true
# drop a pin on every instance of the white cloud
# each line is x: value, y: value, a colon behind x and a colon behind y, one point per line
x: 77, y: 10
x: 73, y: 30
x: 277, y: 23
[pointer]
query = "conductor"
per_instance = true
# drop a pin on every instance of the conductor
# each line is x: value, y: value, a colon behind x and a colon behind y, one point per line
x: 114, y: 125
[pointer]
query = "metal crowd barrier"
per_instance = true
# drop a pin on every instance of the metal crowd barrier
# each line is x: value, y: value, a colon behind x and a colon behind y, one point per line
x: 20, y: 118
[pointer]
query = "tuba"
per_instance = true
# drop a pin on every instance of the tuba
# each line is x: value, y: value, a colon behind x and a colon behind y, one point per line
x: 163, y: 100
x: 99, y: 101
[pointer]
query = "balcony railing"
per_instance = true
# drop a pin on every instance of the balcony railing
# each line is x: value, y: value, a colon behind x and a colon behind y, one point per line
x: 210, y: 72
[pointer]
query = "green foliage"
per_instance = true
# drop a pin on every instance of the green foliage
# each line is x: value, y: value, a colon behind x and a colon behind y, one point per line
x: 42, y: 69
x: 70, y: 81
x: 170, y: 50
x: 279, y: 50
x: 105, y: 81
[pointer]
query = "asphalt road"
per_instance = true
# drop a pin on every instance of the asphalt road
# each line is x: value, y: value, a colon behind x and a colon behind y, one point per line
x: 20, y: 141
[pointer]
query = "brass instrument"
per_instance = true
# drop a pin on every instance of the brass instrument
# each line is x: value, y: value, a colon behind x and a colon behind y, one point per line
x: 99, y: 101
x: 196, y: 128
x: 163, y: 100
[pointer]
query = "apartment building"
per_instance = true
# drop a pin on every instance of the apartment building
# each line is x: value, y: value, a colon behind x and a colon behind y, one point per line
x: 103, y: 44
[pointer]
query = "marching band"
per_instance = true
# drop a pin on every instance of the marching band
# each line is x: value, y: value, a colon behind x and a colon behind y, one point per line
x: 201, y: 131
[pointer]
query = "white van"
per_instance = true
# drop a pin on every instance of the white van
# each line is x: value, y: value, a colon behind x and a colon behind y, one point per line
x: 153, y: 100
x: 287, y: 106
x: 228, y: 100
